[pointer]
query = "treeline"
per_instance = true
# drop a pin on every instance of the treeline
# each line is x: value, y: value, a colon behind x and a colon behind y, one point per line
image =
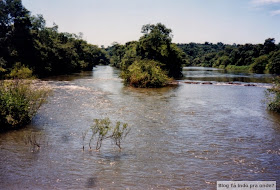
x: 152, y: 60
x: 259, y: 58
x: 25, y: 40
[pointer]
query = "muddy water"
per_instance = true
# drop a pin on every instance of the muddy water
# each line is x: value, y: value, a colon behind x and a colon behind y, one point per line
x: 182, y: 137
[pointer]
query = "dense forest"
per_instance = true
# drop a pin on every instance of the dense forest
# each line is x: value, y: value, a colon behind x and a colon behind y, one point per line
x: 26, y: 41
x: 257, y: 58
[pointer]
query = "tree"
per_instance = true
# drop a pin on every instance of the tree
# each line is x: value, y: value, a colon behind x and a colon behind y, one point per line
x: 269, y: 46
x: 25, y: 39
x: 156, y: 45
x: 117, y: 52
x: 14, y: 32
x: 222, y: 62
x: 274, y: 63
x: 259, y: 64
x: 237, y: 56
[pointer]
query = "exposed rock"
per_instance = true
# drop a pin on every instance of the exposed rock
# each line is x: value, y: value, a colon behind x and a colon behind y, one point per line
x: 190, y: 82
x: 234, y: 83
x: 206, y: 83
x: 250, y: 85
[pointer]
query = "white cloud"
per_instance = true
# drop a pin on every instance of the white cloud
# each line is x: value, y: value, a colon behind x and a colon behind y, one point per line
x: 274, y: 13
x: 264, y: 2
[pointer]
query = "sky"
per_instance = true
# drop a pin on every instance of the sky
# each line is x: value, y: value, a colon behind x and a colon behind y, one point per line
x: 103, y: 22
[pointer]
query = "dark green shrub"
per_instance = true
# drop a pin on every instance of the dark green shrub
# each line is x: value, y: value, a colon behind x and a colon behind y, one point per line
x: 259, y: 64
x: 274, y: 63
x: 273, y: 96
x: 21, y: 72
x: 145, y: 74
x: 19, y: 102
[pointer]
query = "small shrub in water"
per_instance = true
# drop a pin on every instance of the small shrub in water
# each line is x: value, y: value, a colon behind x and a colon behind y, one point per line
x: 102, y: 129
x: 145, y: 74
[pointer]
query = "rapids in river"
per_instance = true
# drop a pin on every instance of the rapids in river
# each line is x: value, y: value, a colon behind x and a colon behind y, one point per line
x: 184, y: 136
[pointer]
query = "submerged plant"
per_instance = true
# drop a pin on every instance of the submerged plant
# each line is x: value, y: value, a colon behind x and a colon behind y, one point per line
x: 102, y: 129
x: 119, y: 133
x: 33, y: 139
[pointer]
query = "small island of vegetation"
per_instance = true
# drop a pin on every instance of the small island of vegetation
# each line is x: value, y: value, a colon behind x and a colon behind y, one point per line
x: 150, y: 62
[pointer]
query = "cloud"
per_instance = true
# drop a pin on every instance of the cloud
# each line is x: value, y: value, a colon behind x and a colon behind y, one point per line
x: 265, y: 2
x: 272, y: 5
x: 274, y: 13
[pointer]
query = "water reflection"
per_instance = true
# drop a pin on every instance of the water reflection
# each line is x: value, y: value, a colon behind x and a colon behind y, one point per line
x: 220, y: 75
x: 91, y: 182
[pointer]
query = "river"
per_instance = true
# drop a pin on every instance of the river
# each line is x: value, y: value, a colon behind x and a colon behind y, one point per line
x: 185, y: 136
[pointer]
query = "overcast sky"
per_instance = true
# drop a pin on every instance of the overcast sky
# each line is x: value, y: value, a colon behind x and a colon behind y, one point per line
x: 106, y: 21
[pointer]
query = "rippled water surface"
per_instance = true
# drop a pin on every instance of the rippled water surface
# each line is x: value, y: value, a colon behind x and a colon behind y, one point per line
x: 220, y: 75
x: 187, y: 136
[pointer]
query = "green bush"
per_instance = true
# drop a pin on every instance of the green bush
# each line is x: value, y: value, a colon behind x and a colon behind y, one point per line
x: 274, y: 63
x: 145, y: 74
x: 222, y: 62
x: 273, y: 96
x: 238, y: 68
x: 19, y: 102
x: 259, y: 64
x: 20, y: 72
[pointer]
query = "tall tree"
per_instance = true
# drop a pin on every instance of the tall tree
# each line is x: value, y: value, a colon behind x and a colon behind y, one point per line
x: 15, y: 39
x: 156, y: 44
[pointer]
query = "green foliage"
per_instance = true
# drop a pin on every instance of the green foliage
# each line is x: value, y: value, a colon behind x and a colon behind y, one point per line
x: 116, y: 53
x: 155, y: 44
x: 145, y: 74
x: 102, y: 129
x: 259, y: 64
x: 20, y: 72
x: 19, y: 102
x: 119, y: 133
x: 257, y: 58
x: 273, y: 96
x: 274, y: 63
x: 222, y: 62
x: 130, y: 55
x: 237, y: 68
x: 2, y: 66
x: 44, y: 50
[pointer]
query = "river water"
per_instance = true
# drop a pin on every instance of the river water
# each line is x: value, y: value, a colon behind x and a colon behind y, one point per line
x: 185, y: 136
